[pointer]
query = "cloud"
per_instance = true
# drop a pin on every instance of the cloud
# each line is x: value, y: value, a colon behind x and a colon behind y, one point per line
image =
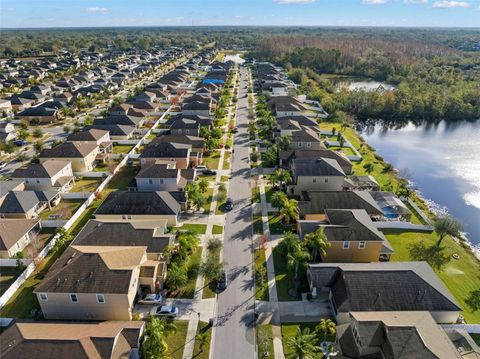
x: 446, y: 4
x: 415, y: 1
x: 98, y: 10
x: 374, y: 2
x: 294, y: 1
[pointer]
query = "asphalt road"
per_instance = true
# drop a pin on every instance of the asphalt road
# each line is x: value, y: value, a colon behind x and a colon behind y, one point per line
x: 234, y: 330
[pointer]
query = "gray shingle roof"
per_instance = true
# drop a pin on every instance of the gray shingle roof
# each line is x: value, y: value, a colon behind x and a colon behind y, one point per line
x: 316, y: 167
x: 69, y: 150
x: 322, y: 200
x: 46, y: 169
x: 165, y: 149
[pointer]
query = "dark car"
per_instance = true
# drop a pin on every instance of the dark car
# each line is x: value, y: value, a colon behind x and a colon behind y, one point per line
x: 223, y: 281
x: 209, y: 172
x: 20, y: 143
x: 228, y: 204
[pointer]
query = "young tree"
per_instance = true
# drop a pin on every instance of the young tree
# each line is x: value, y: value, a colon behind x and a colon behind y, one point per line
x: 446, y: 225
x: 317, y: 243
x: 155, y: 345
x: 288, y: 244
x: 289, y: 210
x: 278, y: 199
x: 297, y: 259
x: 369, y: 167
x: 203, y: 185
x: 202, y: 340
x: 22, y: 134
x: 325, y: 329
x: 284, y: 142
x: 211, y: 268
x: 303, y: 345
x: 177, y: 275
x: 37, y: 133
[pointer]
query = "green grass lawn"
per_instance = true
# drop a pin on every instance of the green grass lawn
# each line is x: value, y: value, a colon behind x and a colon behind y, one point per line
x: 283, y: 277
x: 117, y: 149
x: 224, y: 178
x: 121, y: 180
x: 208, y: 195
x: 188, y: 290
x: 198, y: 228
x: 290, y: 331
x: 198, y: 352
x: 8, y: 275
x: 347, y: 150
x: 217, y: 229
x: 226, y: 160
x: 276, y: 226
x: 265, y: 341
x: 64, y: 210
x: 257, y: 224
x: 255, y: 195
x: 261, y: 286
x: 459, y: 276
x: 212, y: 160
x: 176, y: 341
x: 476, y: 338
x: 86, y: 185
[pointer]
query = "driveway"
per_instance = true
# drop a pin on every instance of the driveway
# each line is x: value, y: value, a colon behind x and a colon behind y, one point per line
x: 234, y: 334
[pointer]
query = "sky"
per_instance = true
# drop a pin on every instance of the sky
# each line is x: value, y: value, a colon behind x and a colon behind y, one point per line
x: 101, y: 13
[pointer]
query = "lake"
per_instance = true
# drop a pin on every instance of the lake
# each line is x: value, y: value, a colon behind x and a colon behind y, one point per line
x: 442, y: 161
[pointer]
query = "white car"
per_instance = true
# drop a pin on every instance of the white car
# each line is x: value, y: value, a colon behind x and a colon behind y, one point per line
x: 3, y: 164
x: 154, y: 299
x: 164, y: 311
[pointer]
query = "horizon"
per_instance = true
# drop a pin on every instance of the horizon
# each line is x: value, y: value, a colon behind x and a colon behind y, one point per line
x: 45, y: 14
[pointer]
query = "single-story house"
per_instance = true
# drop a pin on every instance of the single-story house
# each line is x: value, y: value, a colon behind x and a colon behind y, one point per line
x: 16, y: 234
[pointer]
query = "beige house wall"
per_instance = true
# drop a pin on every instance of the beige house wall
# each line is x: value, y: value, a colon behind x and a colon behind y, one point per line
x: 336, y: 253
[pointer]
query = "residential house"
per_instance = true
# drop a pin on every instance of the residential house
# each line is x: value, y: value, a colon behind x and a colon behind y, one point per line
x: 283, y: 106
x: 16, y: 234
x: 136, y: 206
x: 394, y: 334
x: 95, y: 135
x: 199, y: 108
x: 316, y: 202
x: 125, y: 120
x: 27, y: 204
x: 82, y: 155
x: 352, y: 236
x: 96, y: 283
x: 177, y: 153
x: 163, y: 177
x: 46, y: 340
x: 361, y: 183
x: 286, y: 157
x: 5, y: 106
x: 315, y: 174
x: 185, y: 126
x: 116, y: 132
x: 383, y: 287
x: 7, y: 131
x: 50, y: 175
x: 42, y: 114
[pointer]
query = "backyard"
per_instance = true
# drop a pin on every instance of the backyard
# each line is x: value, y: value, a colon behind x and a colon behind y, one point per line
x: 117, y: 149
x: 62, y: 211
x: 86, y: 185
x: 460, y: 276
x: 8, y: 275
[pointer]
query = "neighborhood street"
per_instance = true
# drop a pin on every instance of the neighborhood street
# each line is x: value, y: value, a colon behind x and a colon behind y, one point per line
x: 234, y: 333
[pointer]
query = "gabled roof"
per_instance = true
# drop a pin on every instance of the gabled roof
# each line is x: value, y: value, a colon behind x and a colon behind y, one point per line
x: 90, y: 269
x: 116, y: 130
x: 69, y: 150
x: 158, y: 170
x: 24, y: 201
x: 165, y: 149
x: 322, y: 200
x: 92, y: 134
x: 118, y: 120
x: 98, y: 233
x: 45, y: 340
x: 11, y: 230
x: 139, y: 203
x: 316, y: 167
x: 47, y: 169
x: 342, y: 160
x: 386, y: 286
x: 351, y: 225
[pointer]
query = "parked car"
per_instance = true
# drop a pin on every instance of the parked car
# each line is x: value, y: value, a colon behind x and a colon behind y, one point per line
x: 20, y: 143
x: 154, y: 299
x: 164, y: 311
x: 3, y: 164
x: 223, y: 281
x: 235, y: 129
x: 201, y: 168
x: 209, y: 172
x: 228, y: 204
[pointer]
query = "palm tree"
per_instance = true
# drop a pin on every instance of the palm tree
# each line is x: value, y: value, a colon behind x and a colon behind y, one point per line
x: 177, y: 276
x: 288, y: 244
x: 325, y: 329
x: 297, y: 259
x: 202, y: 340
x: 278, y: 199
x: 289, y: 210
x: 317, y: 243
x: 446, y: 225
x: 155, y: 345
x: 283, y: 176
x: 284, y: 142
x: 304, y: 345
x: 369, y: 167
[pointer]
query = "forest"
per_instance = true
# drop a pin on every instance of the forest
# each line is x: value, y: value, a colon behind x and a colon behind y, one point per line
x: 433, y: 81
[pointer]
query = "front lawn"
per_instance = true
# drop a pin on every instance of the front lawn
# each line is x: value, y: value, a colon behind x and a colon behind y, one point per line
x: 255, y: 195
x: 176, y: 341
x: 208, y: 195
x: 261, y: 280
x: 86, y: 185
x: 226, y: 160
x: 212, y: 160
x: 290, y: 331
x: 188, y: 290
x: 257, y: 224
x: 460, y: 276
x: 197, y: 228
x: 199, y: 351
x: 277, y: 226
x: 284, y: 278
x: 347, y: 150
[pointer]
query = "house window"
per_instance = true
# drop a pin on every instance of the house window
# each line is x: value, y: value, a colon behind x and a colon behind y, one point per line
x: 43, y: 297
x: 74, y: 298
x: 150, y: 181
x: 326, y: 180
x: 161, y: 181
x: 309, y: 144
x: 299, y: 144
x: 100, y: 298
x: 346, y: 244
x: 314, y: 180
x: 38, y: 181
x: 361, y: 245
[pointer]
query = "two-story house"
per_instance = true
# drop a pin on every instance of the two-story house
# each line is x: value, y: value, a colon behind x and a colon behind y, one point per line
x: 49, y: 175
